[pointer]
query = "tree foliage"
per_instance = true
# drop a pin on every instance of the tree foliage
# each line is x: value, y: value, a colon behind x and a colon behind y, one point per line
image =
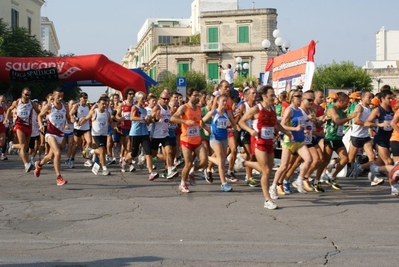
x: 341, y: 75
x: 19, y: 43
x: 195, y: 79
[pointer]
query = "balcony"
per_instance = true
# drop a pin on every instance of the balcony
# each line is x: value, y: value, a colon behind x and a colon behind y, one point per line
x: 211, y: 47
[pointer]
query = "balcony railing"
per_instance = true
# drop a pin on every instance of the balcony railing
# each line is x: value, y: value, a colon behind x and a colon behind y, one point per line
x: 211, y: 47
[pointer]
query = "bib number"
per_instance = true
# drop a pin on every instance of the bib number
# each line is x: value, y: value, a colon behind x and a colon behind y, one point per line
x: 389, y: 128
x: 340, y: 130
x: 193, y: 131
x: 222, y: 124
x: 267, y: 133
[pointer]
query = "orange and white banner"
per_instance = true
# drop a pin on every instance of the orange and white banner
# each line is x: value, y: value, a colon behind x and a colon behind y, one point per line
x: 294, y: 68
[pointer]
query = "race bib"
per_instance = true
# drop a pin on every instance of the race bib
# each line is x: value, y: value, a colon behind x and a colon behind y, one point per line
x: 308, y: 139
x: 23, y: 114
x: 340, y: 130
x: 193, y: 131
x: 267, y: 132
x: 388, y: 128
x: 222, y: 124
x: 126, y: 115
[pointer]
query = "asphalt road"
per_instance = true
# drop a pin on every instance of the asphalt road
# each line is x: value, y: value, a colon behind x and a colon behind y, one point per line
x: 126, y: 220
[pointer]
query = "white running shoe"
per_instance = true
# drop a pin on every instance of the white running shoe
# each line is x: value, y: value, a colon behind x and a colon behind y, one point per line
x: 270, y: 205
x: 395, y: 190
x: 273, y: 192
x: 298, y: 184
x: 88, y: 163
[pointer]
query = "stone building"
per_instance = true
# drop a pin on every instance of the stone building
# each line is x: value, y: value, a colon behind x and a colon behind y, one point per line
x: 384, y: 70
x: 171, y: 45
x: 26, y: 14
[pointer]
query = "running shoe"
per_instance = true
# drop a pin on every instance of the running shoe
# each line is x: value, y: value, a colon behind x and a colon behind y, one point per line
x: 324, y: 178
x: 252, y: 182
x: 231, y: 177
x: 287, y: 188
x: 377, y: 181
x: 37, y: 169
x: 10, y: 147
x: 71, y: 164
x: 273, y: 192
x: 356, y: 170
x: 269, y: 204
x: 88, y: 163
x: 67, y: 161
x: 3, y: 157
x: 317, y: 187
x: 178, y: 162
x: 110, y: 161
x: 334, y: 183
x: 306, y: 186
x: 60, y: 180
x: 153, y: 176
x: 28, y: 167
x: 208, y: 176
x: 191, y: 178
x: 172, y: 173
x: 184, y: 188
x: 299, y: 186
x: 395, y: 190
x: 225, y: 187
x: 132, y: 168
x: 330, y: 166
x: 123, y: 165
x: 106, y: 172
x: 280, y: 190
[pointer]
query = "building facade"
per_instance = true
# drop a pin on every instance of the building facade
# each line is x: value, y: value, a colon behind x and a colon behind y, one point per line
x: 22, y: 13
x: 48, y: 36
x: 223, y: 36
x: 385, y: 69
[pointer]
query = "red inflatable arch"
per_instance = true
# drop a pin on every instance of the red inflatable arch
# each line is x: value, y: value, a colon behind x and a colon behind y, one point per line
x: 75, y: 68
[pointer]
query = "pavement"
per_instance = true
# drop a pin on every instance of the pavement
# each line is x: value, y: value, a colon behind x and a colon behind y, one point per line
x: 125, y: 220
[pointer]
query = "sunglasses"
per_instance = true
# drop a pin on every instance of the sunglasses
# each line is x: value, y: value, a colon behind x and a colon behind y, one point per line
x: 165, y: 98
x: 299, y: 96
x: 309, y: 100
x: 84, y: 97
x: 27, y: 95
x: 130, y: 93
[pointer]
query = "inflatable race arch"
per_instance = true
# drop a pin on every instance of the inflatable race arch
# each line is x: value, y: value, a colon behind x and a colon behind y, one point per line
x: 74, y: 68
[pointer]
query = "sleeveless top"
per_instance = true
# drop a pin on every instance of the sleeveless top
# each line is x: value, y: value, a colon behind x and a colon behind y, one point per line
x: 82, y: 112
x: 359, y: 130
x: 126, y: 110
x: 309, y: 127
x: 139, y: 128
x: 264, y: 125
x: 385, y: 116
x: 56, y: 121
x: 161, y: 127
x: 99, y: 123
x: 191, y: 133
x: 248, y: 122
x: 204, y: 111
x: 296, y: 119
x: 24, y: 113
x: 333, y: 131
x: 219, y: 126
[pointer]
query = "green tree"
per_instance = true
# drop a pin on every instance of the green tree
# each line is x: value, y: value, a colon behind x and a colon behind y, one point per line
x: 195, y: 79
x: 341, y: 75
x: 19, y: 43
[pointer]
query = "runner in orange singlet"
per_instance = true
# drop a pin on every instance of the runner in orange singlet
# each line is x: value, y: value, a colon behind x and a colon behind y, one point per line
x: 189, y: 116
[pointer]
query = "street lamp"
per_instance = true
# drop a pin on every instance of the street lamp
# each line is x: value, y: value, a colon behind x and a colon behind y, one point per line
x: 240, y: 68
x: 281, y: 45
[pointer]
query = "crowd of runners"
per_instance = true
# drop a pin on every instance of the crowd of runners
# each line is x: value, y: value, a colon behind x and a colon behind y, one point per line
x: 213, y: 133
